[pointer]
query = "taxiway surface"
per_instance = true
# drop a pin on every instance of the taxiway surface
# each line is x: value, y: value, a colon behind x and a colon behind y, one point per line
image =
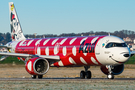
x: 66, y: 79
x: 16, y: 77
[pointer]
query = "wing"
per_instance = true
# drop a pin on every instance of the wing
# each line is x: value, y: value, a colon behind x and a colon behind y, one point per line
x: 132, y: 53
x: 5, y: 54
x: 51, y: 57
x: 7, y: 47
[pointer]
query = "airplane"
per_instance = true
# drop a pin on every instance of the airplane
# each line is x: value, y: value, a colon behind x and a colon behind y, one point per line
x: 108, y: 52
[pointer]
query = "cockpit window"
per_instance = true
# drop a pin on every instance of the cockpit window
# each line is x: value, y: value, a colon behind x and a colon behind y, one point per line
x: 109, y: 45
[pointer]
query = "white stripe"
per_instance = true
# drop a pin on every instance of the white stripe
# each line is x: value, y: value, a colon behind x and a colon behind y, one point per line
x: 54, y: 41
x: 85, y: 54
x: 52, y: 65
x: 55, y: 50
x: 38, y: 50
x: 83, y: 61
x: 72, y: 40
x: 71, y: 60
x: 84, y: 50
x: 29, y: 66
x: 64, y: 50
x: 74, y: 51
x: 47, y: 51
x: 45, y: 42
x: 21, y: 43
x: 38, y: 42
x: 83, y: 40
x: 94, y: 61
x: 94, y: 39
x: 60, y: 63
x: 30, y: 42
x: 63, y: 41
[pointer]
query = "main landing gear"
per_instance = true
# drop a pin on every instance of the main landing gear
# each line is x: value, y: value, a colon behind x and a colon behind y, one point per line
x: 34, y: 76
x: 85, y: 73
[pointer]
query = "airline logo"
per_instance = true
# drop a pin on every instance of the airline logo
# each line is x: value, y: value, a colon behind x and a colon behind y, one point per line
x: 12, y: 16
x: 87, y: 47
x: 12, y: 7
x: 103, y: 44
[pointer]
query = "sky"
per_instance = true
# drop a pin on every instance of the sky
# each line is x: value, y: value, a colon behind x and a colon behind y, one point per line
x: 69, y: 16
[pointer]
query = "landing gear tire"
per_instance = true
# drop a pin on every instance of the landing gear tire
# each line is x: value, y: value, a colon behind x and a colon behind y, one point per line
x: 82, y: 75
x: 110, y: 76
x: 40, y: 76
x: 88, y: 74
x: 33, y: 76
x: 85, y: 73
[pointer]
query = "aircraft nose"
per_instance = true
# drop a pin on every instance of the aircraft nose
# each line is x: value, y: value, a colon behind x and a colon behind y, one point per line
x: 125, y: 57
x: 121, y: 57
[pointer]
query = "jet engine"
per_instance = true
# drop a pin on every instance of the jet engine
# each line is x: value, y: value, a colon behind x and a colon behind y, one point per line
x: 115, y: 70
x: 37, y: 66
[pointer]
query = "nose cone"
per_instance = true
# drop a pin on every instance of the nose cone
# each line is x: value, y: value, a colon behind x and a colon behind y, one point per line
x: 124, y: 56
x: 121, y: 56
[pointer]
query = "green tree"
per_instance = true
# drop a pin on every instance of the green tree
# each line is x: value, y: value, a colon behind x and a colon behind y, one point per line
x: 8, y: 37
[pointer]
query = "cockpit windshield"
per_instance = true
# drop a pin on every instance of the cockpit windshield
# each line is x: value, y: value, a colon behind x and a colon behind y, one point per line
x: 112, y: 44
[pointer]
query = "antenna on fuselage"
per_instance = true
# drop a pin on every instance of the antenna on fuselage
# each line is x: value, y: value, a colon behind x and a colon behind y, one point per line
x: 109, y: 34
x: 35, y: 34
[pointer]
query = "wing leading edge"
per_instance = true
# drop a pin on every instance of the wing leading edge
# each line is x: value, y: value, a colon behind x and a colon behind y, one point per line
x: 51, y: 57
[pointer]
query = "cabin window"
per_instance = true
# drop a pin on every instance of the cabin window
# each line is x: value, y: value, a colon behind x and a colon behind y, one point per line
x: 109, y: 45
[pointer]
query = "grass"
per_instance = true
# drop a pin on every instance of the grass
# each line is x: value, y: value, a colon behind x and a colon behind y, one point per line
x: 131, y: 60
x: 12, y: 60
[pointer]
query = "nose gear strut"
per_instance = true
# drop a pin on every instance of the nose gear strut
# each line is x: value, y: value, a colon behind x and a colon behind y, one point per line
x: 110, y: 74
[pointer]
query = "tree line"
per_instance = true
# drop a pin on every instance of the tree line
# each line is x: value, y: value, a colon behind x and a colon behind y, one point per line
x: 6, y: 37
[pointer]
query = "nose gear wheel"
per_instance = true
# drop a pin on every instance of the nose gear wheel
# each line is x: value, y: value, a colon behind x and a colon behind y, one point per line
x: 110, y: 75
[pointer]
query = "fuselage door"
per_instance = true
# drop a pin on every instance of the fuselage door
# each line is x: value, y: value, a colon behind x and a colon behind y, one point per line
x: 98, y: 46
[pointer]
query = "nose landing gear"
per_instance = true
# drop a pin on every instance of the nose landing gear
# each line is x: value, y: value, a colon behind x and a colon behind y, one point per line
x: 85, y: 73
x: 110, y: 75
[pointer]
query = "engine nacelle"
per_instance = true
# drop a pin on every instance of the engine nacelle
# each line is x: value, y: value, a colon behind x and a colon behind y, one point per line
x: 116, y: 70
x: 37, y: 66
